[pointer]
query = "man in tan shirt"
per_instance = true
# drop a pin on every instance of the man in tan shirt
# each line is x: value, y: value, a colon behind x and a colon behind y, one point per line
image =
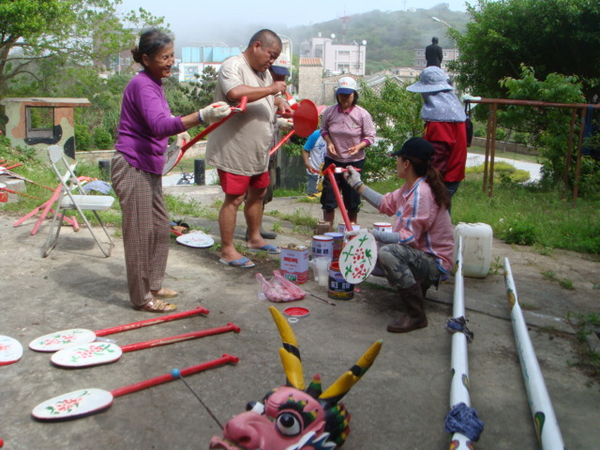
x: 239, y: 149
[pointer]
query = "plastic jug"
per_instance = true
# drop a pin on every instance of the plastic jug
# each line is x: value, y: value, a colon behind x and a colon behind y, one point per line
x: 477, y: 248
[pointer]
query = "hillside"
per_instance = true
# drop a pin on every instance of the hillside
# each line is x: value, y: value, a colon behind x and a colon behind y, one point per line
x: 391, y: 37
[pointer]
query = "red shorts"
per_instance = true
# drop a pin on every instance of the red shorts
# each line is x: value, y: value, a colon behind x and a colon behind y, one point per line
x: 234, y: 184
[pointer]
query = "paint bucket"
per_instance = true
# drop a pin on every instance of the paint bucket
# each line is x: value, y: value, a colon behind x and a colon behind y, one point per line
x: 338, y: 244
x: 322, y: 246
x: 341, y: 228
x: 338, y: 288
x: 477, y: 248
x: 293, y: 262
x: 382, y: 226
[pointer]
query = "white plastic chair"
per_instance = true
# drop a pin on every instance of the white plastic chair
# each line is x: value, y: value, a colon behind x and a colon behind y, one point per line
x: 73, y: 197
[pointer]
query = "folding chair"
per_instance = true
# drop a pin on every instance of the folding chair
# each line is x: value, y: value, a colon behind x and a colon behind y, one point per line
x: 73, y: 197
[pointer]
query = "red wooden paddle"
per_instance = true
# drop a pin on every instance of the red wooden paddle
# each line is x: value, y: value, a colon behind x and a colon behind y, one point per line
x: 173, y: 156
x: 96, y: 353
x: 88, y: 401
x: 60, y: 339
x: 306, y: 120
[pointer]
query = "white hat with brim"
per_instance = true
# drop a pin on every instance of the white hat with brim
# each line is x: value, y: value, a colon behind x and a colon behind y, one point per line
x: 432, y: 79
x: 346, y: 85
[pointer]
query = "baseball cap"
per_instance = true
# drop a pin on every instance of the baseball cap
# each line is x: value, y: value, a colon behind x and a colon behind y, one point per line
x: 416, y: 147
x: 346, y: 85
x: 432, y: 79
x: 280, y: 70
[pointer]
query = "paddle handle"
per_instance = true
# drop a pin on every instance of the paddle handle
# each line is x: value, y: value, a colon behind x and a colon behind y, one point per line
x: 225, y: 359
x: 338, y: 196
x: 281, y: 142
x: 182, y: 337
x: 240, y: 108
x: 148, y: 322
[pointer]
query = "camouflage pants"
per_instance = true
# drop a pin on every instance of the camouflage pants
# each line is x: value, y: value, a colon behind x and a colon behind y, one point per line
x: 404, y: 266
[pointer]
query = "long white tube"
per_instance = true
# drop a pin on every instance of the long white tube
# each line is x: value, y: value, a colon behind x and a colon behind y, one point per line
x: 544, y: 419
x: 459, y: 387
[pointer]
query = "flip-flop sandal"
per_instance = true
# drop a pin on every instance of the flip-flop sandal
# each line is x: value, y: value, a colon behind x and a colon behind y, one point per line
x: 242, y: 263
x: 158, y: 306
x: 268, y: 248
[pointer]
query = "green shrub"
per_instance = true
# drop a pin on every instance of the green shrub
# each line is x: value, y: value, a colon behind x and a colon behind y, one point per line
x: 518, y: 231
x: 103, y: 140
x: 83, y: 137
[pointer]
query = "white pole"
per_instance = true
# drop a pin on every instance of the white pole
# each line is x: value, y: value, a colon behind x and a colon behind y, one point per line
x: 544, y: 419
x: 459, y: 387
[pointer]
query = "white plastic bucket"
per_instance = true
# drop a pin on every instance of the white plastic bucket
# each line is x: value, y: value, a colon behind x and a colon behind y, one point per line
x: 477, y: 248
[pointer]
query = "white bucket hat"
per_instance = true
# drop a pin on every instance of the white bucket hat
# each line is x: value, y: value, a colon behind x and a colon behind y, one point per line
x: 346, y: 85
x: 432, y: 79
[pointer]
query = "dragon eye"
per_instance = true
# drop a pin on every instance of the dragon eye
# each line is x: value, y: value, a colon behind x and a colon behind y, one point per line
x: 288, y: 424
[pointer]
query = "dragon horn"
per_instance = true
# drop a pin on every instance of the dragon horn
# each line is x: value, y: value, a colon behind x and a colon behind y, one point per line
x: 289, y: 353
x: 344, y: 383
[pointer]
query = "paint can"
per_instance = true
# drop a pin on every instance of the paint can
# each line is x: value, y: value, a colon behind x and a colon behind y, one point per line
x: 322, y: 246
x: 338, y: 244
x: 338, y: 288
x: 341, y: 228
x: 382, y: 226
x: 293, y: 262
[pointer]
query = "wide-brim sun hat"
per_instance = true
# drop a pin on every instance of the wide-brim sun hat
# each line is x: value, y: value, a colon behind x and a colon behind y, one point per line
x: 432, y: 79
x: 346, y: 85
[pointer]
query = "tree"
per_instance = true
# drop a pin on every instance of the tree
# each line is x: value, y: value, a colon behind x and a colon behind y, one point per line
x: 66, y: 32
x: 550, y: 36
x: 395, y: 112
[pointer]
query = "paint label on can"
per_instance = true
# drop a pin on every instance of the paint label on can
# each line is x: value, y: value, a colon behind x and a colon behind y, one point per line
x: 338, y: 244
x: 382, y: 226
x: 293, y: 262
x: 338, y: 288
x: 322, y: 246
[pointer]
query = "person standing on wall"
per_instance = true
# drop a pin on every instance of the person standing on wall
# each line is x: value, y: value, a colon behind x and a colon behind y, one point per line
x: 239, y: 149
x: 145, y: 124
x: 419, y: 249
x: 445, y: 125
x: 434, y: 53
x: 348, y: 130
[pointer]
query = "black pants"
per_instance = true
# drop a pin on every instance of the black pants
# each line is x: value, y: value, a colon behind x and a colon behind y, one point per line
x: 350, y: 196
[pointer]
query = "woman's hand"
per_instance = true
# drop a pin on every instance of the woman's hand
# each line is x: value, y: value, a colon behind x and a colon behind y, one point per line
x: 214, y: 112
x: 331, y: 149
x: 355, y: 149
x: 352, y: 177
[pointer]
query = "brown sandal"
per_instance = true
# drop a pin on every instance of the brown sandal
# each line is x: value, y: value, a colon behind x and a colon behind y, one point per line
x: 164, y: 293
x: 157, y: 305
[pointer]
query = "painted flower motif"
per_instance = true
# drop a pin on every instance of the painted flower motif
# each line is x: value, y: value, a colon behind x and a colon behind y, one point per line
x: 4, y: 347
x: 67, y: 405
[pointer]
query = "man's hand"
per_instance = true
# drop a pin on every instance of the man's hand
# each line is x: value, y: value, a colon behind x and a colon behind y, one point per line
x: 278, y: 87
x: 283, y: 107
x: 352, y: 177
x: 214, y: 112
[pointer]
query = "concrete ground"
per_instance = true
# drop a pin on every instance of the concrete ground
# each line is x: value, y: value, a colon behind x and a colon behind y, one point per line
x: 401, y: 403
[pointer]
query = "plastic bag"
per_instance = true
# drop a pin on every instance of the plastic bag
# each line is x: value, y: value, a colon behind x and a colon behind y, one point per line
x: 279, y: 289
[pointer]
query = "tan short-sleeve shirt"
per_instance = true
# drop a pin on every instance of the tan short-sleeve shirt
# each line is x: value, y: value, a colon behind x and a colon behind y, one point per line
x: 241, y: 145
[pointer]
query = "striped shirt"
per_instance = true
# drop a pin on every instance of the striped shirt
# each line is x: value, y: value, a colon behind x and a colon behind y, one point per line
x: 421, y: 223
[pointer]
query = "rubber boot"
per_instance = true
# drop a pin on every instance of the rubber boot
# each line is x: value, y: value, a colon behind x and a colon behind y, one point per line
x: 415, y: 318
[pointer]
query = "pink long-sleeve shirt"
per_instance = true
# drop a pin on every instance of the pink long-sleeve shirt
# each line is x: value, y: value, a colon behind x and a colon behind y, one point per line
x: 347, y: 129
x: 421, y: 223
x: 146, y: 124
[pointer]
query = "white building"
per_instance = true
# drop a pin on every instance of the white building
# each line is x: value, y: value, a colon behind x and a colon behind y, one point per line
x: 337, y: 58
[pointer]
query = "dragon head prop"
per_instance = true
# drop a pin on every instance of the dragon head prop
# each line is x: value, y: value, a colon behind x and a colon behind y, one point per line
x: 294, y: 417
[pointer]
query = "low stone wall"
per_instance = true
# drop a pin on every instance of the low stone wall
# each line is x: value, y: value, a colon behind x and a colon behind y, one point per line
x: 507, y: 146
x: 198, y: 150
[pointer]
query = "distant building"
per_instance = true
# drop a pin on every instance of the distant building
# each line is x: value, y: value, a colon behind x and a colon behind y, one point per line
x: 450, y: 54
x: 195, y: 59
x: 310, y: 79
x: 337, y: 58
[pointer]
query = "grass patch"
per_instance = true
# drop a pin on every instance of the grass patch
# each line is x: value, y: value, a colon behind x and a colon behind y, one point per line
x: 587, y: 325
x: 302, y: 223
